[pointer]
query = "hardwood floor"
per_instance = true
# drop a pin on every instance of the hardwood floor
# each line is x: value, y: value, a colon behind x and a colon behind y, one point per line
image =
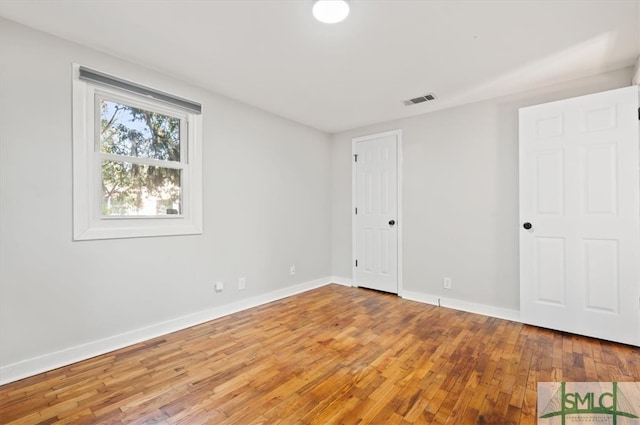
x: 335, y: 355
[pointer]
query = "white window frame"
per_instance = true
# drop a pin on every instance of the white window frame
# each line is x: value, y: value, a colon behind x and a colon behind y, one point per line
x: 88, y: 221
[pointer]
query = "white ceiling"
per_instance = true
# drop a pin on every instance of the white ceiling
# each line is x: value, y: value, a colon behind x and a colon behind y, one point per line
x: 272, y: 53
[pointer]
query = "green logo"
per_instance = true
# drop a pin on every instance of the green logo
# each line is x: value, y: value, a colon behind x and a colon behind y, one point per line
x: 583, y: 403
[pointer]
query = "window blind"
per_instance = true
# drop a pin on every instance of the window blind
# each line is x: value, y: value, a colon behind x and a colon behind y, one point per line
x: 108, y: 80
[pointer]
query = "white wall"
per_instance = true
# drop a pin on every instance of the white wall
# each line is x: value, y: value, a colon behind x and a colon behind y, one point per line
x: 275, y: 194
x: 460, y: 195
x: 266, y: 198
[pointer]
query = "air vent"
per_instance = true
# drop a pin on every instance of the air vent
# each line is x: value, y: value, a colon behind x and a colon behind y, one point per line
x: 416, y: 100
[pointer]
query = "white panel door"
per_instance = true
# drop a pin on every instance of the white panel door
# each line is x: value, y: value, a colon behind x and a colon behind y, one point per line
x: 580, y: 215
x: 375, y: 213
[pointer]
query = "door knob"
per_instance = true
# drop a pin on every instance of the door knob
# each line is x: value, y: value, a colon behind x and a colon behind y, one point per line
x: 527, y: 225
x: 392, y: 222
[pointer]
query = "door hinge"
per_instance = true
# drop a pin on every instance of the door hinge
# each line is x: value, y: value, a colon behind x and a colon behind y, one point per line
x: 356, y: 263
x: 355, y: 157
x: 638, y: 114
x: 356, y: 210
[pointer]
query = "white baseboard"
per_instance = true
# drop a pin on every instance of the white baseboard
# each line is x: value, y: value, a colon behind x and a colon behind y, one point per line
x: 485, y: 310
x: 47, y: 362
x: 344, y: 281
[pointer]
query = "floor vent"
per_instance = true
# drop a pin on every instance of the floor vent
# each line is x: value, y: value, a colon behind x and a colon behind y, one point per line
x: 416, y: 100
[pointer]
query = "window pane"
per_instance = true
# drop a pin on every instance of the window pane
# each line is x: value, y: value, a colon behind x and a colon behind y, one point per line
x: 125, y: 130
x: 135, y: 189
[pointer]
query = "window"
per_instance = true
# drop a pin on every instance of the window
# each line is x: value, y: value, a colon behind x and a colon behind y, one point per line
x: 136, y: 160
x: 140, y: 158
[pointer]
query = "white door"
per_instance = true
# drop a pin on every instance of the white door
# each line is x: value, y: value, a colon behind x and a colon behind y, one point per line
x: 376, y: 212
x: 580, y: 215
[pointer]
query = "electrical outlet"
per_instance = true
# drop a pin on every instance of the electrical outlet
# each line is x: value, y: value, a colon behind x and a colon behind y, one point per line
x: 242, y: 283
x: 446, y: 283
x: 292, y: 271
x: 219, y: 286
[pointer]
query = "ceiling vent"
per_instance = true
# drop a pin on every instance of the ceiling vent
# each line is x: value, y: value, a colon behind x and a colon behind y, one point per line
x: 416, y: 100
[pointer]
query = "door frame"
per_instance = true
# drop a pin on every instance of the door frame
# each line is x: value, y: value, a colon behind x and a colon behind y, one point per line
x: 400, y: 223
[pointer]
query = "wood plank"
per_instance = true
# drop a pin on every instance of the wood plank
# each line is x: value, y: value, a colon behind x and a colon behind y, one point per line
x: 334, y: 355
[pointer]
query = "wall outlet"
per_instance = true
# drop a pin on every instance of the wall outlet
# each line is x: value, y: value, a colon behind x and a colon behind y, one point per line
x: 292, y: 271
x: 219, y: 286
x: 242, y: 283
x: 446, y: 283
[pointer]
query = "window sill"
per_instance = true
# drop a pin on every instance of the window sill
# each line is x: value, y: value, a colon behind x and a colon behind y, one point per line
x: 136, y: 228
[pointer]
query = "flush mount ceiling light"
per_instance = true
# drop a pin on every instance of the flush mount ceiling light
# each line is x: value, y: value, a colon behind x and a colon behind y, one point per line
x: 330, y: 11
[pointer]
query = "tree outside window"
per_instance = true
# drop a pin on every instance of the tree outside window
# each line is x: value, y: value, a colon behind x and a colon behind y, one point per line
x: 140, y: 160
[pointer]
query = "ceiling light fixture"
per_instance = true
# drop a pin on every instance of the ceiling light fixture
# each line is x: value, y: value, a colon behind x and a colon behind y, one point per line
x: 330, y: 11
